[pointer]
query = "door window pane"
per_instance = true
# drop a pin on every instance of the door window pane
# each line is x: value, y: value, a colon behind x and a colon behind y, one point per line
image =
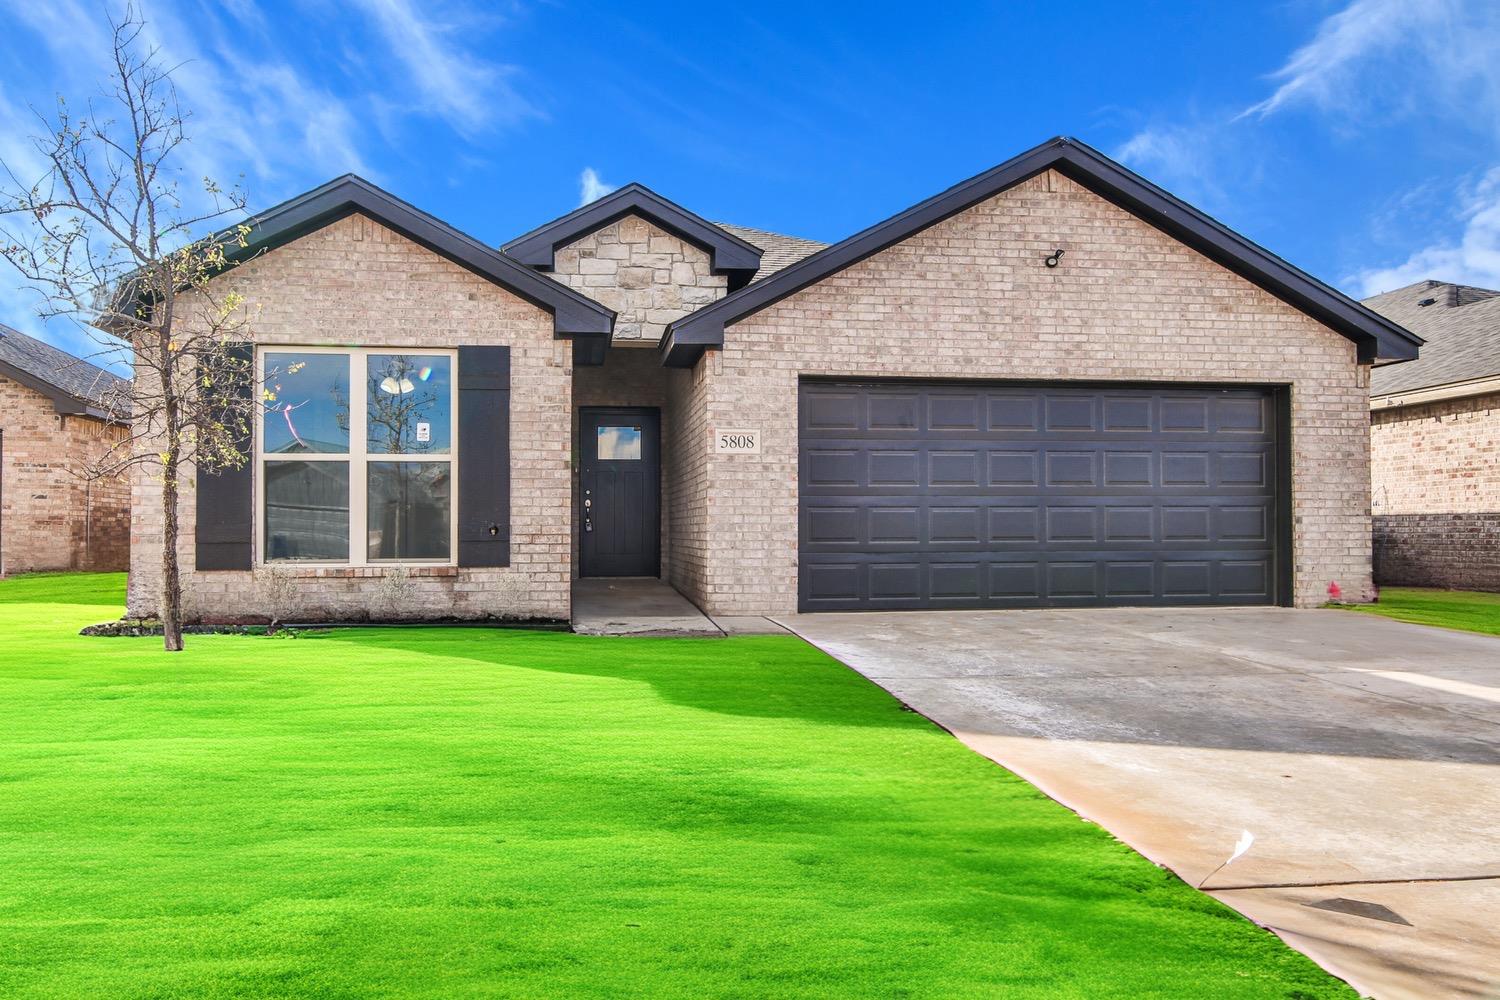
x: 409, y: 510
x: 307, y: 510
x: 410, y: 404
x: 619, y: 444
x: 307, y: 409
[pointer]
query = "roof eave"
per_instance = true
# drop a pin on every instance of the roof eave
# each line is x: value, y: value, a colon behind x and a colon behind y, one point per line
x: 1375, y: 336
x: 63, y: 402
x: 728, y: 254
x: 573, y: 313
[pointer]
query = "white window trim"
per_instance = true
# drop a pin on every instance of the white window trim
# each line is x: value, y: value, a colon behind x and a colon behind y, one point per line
x: 358, y: 459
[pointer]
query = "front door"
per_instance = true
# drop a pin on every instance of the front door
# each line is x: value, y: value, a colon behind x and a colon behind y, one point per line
x: 619, y: 492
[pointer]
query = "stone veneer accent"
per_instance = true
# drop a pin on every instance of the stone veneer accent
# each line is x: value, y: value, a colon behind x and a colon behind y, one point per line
x: 969, y: 298
x: 1435, y: 477
x: 356, y: 282
x: 52, y: 517
x: 645, y: 274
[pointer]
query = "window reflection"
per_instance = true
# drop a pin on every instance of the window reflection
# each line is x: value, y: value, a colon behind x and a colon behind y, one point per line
x: 409, y: 510
x: 409, y: 404
x: 619, y: 444
x: 307, y: 510
x: 307, y: 404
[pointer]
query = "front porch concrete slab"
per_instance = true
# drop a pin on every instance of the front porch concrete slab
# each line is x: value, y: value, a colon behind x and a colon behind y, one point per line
x: 639, y: 606
x: 748, y: 625
x: 1362, y: 754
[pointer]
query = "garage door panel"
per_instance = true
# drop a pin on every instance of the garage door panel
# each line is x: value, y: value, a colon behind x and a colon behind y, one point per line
x: 1014, y: 412
x: 961, y: 495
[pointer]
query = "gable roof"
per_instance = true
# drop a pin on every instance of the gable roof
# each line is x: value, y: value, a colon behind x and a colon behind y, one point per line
x: 573, y: 314
x: 776, y: 250
x: 1461, y: 326
x: 728, y: 253
x: 73, y: 384
x: 1376, y: 336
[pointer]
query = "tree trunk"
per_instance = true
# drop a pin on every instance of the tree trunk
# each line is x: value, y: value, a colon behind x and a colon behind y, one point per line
x: 171, y: 583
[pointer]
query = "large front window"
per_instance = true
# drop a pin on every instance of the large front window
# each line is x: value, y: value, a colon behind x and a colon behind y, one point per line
x: 353, y: 441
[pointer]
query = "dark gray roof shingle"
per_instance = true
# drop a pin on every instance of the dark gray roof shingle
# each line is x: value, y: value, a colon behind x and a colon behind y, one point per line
x: 777, y: 251
x: 87, y: 383
x: 1462, y: 329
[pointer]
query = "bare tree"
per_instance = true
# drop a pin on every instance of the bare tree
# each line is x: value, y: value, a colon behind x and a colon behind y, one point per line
x: 110, y: 237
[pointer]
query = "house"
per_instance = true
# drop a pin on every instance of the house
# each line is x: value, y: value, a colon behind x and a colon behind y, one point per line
x: 55, y: 420
x: 1435, y: 441
x: 1053, y: 384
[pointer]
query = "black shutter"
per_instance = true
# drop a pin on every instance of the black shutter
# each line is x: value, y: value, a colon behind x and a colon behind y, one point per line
x: 226, y: 497
x: 484, y: 456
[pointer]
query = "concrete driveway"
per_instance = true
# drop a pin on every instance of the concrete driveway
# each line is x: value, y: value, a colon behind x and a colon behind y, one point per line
x: 1362, y: 754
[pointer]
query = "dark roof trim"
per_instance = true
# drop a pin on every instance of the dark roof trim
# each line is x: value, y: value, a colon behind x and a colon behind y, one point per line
x: 728, y: 254
x: 1376, y: 336
x: 572, y: 313
x: 63, y: 402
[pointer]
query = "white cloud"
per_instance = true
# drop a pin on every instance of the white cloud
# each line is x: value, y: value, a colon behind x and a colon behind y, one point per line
x: 261, y: 111
x: 467, y: 91
x: 1330, y: 72
x: 1472, y: 259
x: 1376, y: 63
x: 1181, y: 158
x: 590, y: 187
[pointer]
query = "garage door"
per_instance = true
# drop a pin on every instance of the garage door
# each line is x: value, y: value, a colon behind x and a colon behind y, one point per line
x: 961, y: 495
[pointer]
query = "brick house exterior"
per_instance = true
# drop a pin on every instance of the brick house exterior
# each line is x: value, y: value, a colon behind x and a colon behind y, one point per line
x: 53, y: 424
x: 1235, y: 385
x: 1435, y: 441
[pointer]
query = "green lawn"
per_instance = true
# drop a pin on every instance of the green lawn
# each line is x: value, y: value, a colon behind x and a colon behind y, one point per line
x: 1469, y: 610
x: 466, y: 813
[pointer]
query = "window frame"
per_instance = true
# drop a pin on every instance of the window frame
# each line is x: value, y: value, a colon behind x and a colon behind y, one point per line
x: 358, y: 457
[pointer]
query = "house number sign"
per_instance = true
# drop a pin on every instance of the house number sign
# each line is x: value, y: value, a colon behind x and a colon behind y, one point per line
x: 736, y: 442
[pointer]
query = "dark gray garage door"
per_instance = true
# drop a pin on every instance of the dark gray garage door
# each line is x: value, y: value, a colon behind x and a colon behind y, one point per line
x: 961, y: 495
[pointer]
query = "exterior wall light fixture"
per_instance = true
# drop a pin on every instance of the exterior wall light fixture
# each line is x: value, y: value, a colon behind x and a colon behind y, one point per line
x: 1055, y: 258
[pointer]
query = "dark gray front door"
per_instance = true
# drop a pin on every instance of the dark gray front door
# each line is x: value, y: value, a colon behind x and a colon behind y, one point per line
x: 619, y: 492
x: 966, y: 495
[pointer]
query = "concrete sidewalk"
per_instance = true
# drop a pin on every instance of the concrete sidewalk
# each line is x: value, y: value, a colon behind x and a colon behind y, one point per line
x: 1362, y: 755
x: 648, y: 607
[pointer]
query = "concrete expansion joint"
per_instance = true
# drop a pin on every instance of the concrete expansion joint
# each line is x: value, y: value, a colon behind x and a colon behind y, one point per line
x: 1358, y: 881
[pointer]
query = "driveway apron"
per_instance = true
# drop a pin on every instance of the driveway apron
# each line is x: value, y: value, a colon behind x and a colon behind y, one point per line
x: 1360, y: 755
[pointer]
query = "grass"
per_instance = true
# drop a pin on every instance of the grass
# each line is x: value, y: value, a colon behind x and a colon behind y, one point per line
x: 472, y: 813
x: 1468, y: 610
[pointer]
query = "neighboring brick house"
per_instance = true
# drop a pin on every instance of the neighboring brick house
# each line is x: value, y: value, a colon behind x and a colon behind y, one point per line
x: 54, y: 423
x: 1051, y: 385
x: 1435, y: 441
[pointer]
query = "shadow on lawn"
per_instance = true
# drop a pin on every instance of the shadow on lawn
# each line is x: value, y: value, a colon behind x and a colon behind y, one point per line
x: 759, y: 676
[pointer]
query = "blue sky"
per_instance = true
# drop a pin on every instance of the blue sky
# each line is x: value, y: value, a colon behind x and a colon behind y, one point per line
x: 1359, y: 140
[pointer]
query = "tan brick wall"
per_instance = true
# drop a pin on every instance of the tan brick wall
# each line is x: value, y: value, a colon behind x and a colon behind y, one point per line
x: 969, y: 298
x: 53, y: 515
x: 358, y: 283
x: 1435, y: 491
x: 645, y: 274
x: 686, y: 487
x: 1436, y: 458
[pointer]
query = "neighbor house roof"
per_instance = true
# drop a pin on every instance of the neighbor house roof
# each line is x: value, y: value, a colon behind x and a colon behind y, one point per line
x: 728, y: 253
x: 776, y: 251
x: 73, y: 384
x: 574, y: 314
x: 1375, y: 335
x: 1461, y: 326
